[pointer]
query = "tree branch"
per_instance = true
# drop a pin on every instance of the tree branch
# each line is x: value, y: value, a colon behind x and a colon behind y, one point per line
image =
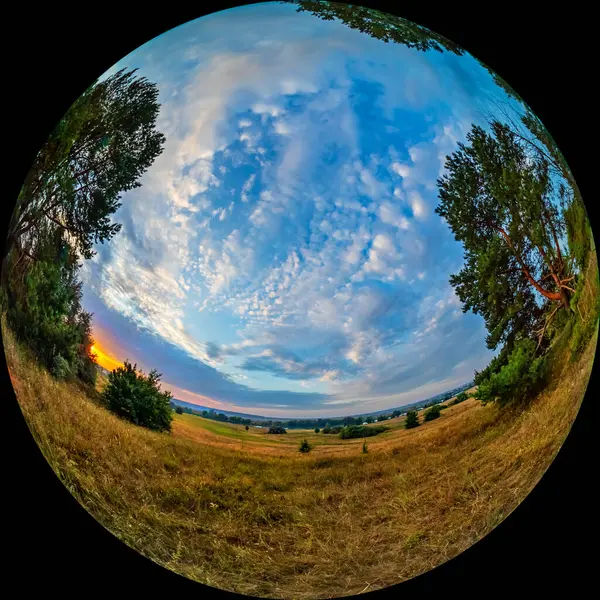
x: 543, y: 330
x: 534, y: 283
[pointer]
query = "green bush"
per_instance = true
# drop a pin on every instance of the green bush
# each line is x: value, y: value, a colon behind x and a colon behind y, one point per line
x: 365, y: 449
x: 44, y: 310
x: 305, y: 446
x: 60, y: 368
x: 317, y: 430
x: 179, y: 410
x: 433, y: 412
x: 519, y: 379
x: 138, y: 398
x: 332, y: 430
x: 461, y: 397
x: 277, y: 430
x: 360, y: 431
x: 412, y: 419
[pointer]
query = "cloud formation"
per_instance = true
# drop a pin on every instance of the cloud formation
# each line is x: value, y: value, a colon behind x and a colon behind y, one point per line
x: 282, y: 253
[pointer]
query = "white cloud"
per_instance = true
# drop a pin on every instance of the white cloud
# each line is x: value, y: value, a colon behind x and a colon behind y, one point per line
x: 267, y: 109
x: 282, y: 128
x: 418, y: 205
x: 389, y: 213
x: 401, y: 169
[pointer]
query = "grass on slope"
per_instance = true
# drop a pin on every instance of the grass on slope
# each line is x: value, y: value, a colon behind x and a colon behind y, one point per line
x: 298, y: 526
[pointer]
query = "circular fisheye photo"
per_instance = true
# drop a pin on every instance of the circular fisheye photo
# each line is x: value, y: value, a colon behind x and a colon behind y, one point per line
x: 299, y: 300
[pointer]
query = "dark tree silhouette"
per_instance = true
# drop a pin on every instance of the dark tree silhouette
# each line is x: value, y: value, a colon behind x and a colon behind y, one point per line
x: 99, y: 149
x: 382, y: 26
x: 412, y: 419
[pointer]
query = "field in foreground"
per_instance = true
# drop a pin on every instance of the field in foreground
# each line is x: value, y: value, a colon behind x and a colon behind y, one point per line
x: 248, y: 513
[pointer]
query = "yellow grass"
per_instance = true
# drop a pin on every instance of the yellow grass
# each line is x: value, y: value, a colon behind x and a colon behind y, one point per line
x: 264, y: 520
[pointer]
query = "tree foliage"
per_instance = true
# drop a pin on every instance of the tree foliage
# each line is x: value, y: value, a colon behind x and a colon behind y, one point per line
x: 519, y: 379
x: 461, y: 397
x: 44, y: 310
x: 360, y: 431
x: 100, y: 148
x: 277, y: 430
x: 305, y: 447
x: 379, y: 25
x: 138, y: 397
x: 498, y: 200
x: 433, y: 412
x: 579, y: 232
x: 412, y: 419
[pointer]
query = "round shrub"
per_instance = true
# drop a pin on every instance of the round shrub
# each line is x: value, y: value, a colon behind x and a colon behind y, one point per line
x: 138, y: 398
x: 433, y: 412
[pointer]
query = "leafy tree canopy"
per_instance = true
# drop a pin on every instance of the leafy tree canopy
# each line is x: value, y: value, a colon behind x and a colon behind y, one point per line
x: 99, y: 149
x: 500, y: 202
x: 382, y: 26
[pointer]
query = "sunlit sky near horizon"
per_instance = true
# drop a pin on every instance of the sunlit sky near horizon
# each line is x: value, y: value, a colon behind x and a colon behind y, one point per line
x: 282, y: 256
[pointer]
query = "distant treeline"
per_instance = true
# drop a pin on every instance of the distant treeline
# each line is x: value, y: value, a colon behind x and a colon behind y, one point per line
x: 331, y: 425
x: 322, y: 424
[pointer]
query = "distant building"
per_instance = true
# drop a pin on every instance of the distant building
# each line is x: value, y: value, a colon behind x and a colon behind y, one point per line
x: 375, y: 421
x: 365, y: 423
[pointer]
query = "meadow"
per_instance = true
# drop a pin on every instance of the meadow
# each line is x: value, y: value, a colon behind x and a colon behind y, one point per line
x: 245, y: 511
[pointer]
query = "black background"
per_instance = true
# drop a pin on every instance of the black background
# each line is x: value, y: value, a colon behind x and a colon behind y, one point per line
x: 53, y: 53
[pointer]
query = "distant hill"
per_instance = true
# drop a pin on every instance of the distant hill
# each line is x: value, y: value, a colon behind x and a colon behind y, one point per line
x: 229, y: 413
x: 428, y: 401
x: 414, y: 405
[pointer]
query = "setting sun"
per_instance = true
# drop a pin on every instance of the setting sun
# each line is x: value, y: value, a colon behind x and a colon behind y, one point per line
x: 104, y: 358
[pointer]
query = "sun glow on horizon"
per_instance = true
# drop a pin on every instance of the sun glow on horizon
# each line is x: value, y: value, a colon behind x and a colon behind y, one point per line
x: 105, y: 359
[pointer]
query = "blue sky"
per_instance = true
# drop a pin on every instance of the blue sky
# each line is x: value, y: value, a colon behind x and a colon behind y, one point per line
x: 282, y: 256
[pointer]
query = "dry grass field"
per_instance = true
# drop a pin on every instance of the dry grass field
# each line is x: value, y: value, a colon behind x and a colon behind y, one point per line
x: 246, y: 512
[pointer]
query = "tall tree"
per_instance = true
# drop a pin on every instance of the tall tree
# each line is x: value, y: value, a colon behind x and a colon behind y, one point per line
x: 501, y: 203
x: 99, y: 149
